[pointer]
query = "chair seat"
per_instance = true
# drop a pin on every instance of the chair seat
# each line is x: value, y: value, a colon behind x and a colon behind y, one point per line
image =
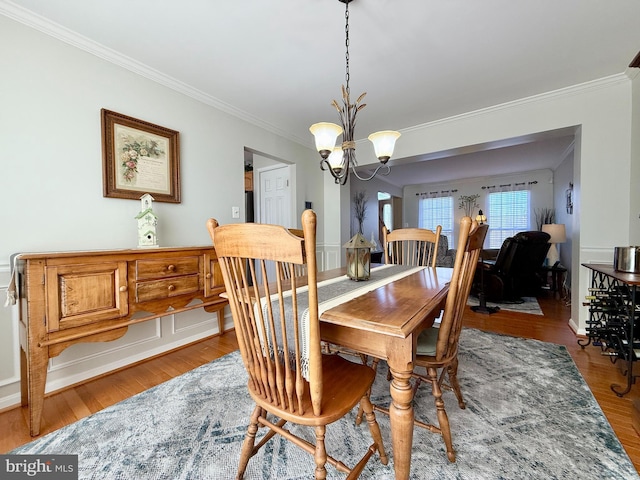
x: 427, y: 342
x: 344, y: 385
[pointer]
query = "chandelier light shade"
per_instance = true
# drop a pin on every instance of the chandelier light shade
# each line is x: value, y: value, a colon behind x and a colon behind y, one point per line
x: 336, y: 160
x: 326, y: 134
x: 384, y: 143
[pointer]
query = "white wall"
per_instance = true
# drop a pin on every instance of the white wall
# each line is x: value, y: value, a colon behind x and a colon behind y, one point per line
x: 562, y: 176
x: 634, y: 177
x: 51, y: 94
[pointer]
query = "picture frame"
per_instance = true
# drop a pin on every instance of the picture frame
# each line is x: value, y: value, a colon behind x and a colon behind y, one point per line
x: 139, y: 157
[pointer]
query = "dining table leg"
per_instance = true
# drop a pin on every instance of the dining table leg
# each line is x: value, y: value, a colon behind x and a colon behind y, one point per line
x: 401, y: 417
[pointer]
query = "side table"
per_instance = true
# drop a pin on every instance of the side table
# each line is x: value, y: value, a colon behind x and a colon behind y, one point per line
x: 557, y: 273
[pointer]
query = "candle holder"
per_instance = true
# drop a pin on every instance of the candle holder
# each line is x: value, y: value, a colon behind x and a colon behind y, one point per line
x: 358, y: 258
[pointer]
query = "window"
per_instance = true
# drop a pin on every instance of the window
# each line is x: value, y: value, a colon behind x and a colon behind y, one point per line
x: 384, y: 201
x: 386, y: 216
x: 437, y: 211
x: 508, y: 214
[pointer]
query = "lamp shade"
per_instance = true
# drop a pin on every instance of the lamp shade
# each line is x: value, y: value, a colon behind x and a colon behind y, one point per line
x: 383, y: 143
x: 481, y: 217
x: 556, y: 231
x: 336, y: 159
x: 325, y: 134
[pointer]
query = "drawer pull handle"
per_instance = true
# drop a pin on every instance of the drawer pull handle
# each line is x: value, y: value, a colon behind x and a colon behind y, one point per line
x: 171, y: 268
x: 209, y: 275
x: 123, y: 288
x: 172, y: 288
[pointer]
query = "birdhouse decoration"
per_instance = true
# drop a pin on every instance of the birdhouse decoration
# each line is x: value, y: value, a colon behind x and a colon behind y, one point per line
x: 358, y: 258
x: 147, y: 222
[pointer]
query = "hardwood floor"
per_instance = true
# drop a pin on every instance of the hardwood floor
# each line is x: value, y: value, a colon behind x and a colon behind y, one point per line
x: 71, y: 404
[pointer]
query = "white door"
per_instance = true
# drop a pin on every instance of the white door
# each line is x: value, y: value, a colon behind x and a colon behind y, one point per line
x: 275, y: 196
x: 274, y: 200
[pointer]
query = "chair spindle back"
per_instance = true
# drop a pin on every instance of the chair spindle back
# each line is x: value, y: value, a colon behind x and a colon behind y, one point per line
x: 411, y: 246
x: 275, y: 310
x: 470, y: 241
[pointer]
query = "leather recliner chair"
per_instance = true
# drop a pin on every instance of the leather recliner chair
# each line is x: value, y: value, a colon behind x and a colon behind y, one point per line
x: 516, y: 271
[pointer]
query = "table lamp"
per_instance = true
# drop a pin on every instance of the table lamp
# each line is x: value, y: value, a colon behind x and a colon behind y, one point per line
x: 482, y: 299
x: 558, y: 234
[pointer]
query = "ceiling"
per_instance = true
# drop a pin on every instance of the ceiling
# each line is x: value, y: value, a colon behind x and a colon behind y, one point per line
x: 279, y: 64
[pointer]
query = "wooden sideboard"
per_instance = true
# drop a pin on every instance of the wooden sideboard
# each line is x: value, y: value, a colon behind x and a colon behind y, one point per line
x: 94, y: 296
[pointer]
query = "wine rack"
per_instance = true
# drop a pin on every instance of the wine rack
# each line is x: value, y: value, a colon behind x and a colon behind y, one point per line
x: 614, y: 314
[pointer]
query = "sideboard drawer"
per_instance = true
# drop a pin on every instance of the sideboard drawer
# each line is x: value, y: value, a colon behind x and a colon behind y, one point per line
x: 167, y: 267
x: 167, y: 288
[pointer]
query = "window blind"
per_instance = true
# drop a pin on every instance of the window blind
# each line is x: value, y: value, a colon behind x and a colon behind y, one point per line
x: 437, y: 211
x: 508, y: 214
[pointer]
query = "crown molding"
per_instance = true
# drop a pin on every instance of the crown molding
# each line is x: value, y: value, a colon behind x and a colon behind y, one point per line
x: 46, y: 26
x: 569, y: 150
x: 632, y: 72
x: 578, y: 89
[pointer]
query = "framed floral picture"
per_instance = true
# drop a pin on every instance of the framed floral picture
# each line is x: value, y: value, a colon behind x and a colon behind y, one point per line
x: 139, y: 157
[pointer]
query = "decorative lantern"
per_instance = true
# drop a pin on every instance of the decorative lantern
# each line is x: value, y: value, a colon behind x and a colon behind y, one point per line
x: 358, y: 258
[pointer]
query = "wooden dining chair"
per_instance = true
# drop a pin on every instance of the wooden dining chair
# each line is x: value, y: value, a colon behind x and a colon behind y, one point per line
x: 403, y: 246
x: 437, y: 346
x: 298, y: 270
x: 411, y: 246
x: 277, y: 326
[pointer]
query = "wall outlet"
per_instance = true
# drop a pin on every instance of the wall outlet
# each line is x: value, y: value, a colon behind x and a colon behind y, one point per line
x: 235, y: 212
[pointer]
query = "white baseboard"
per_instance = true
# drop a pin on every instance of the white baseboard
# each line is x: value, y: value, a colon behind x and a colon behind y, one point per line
x: 574, y: 326
x: 85, y: 375
x: 81, y: 365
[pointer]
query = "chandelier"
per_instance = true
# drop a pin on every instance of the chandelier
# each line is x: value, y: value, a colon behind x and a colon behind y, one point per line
x: 340, y: 159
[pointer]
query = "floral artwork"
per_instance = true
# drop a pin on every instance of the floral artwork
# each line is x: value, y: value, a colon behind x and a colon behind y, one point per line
x: 139, y: 157
x: 133, y: 148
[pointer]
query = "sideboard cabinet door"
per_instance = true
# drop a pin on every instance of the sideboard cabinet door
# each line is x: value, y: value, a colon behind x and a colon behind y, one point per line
x: 82, y: 294
x: 213, y: 281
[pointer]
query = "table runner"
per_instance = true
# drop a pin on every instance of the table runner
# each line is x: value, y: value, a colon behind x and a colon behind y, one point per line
x: 331, y: 293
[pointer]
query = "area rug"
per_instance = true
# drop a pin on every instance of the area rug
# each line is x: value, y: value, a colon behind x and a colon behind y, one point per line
x: 529, y: 305
x: 529, y: 415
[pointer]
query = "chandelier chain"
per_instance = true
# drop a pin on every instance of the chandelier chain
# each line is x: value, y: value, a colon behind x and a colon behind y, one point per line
x: 340, y: 165
x: 346, y: 44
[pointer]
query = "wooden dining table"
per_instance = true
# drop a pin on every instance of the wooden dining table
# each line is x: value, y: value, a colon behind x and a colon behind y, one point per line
x: 385, y: 323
